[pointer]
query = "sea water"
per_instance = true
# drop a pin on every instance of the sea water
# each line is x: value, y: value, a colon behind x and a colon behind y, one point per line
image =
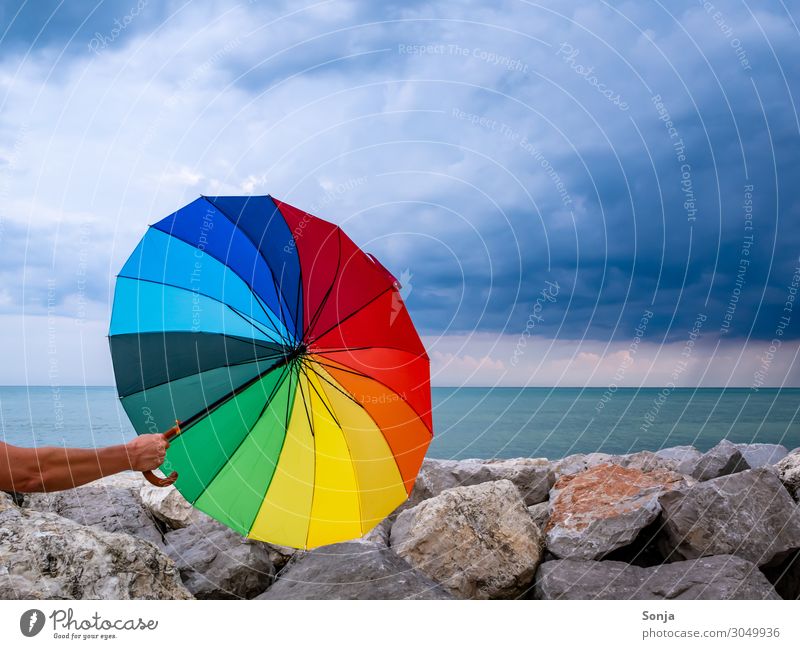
x: 476, y: 422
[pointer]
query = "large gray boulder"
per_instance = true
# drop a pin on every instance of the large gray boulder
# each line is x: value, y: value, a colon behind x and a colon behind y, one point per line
x: 479, y: 542
x: 45, y: 556
x: 758, y: 455
x: 748, y: 514
x: 604, y: 508
x: 352, y: 570
x: 721, y: 577
x: 532, y: 476
x: 724, y: 459
x: 789, y: 472
x: 217, y: 563
x: 111, y: 504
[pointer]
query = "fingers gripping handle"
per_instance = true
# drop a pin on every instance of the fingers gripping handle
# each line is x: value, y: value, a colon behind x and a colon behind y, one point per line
x: 151, y: 477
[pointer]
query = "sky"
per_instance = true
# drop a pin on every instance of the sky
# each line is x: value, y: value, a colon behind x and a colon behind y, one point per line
x: 576, y: 192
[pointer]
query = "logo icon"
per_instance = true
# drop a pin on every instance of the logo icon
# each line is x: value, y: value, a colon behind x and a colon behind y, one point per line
x: 31, y: 622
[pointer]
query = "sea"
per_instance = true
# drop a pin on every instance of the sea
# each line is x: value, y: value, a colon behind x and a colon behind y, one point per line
x: 475, y: 422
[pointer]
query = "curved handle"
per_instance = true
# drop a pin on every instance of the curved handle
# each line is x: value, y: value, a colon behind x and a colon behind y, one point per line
x: 151, y: 477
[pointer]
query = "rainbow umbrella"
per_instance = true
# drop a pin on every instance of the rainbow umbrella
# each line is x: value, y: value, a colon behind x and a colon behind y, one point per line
x: 281, y: 361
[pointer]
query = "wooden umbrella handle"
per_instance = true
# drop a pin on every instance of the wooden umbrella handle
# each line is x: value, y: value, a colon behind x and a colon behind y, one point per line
x: 151, y: 477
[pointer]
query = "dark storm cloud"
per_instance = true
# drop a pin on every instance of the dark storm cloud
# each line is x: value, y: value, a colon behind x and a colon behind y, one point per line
x: 520, y: 171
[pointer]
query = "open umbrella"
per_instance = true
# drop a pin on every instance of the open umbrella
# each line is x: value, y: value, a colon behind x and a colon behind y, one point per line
x: 281, y: 360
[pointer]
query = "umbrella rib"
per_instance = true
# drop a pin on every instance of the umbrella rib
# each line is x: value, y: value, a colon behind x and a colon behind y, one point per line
x: 379, y: 382
x: 198, y: 373
x: 291, y: 395
x: 313, y: 454
x: 210, y: 297
x: 356, y: 312
x: 275, y: 284
x: 324, y: 300
x: 311, y: 370
x: 268, y: 401
x: 174, y: 235
x: 377, y: 426
x: 190, y: 421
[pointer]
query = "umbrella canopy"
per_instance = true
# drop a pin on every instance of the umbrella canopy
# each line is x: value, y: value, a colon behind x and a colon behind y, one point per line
x: 289, y: 358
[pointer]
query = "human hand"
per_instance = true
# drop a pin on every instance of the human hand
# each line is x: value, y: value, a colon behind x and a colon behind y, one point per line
x: 147, y: 452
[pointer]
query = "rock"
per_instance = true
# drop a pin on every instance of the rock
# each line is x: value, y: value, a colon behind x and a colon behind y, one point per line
x: 532, y: 476
x: 45, y: 556
x: 785, y: 576
x: 378, y: 534
x: 678, y: 459
x: 748, y: 514
x: 168, y: 505
x: 540, y: 514
x: 681, y: 459
x: 111, y: 504
x: 721, y: 577
x: 604, y: 508
x: 352, y: 570
x: 217, y: 563
x: 279, y: 555
x: 478, y: 541
x: 789, y: 473
x: 758, y: 455
x: 6, y: 501
x: 723, y: 459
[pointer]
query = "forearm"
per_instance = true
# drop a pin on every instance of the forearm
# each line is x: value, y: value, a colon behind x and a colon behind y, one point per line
x: 57, y: 468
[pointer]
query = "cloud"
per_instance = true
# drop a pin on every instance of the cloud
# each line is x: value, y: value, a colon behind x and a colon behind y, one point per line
x: 481, y: 148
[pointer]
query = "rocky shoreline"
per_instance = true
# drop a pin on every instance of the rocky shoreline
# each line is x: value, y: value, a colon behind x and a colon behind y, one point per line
x: 671, y: 524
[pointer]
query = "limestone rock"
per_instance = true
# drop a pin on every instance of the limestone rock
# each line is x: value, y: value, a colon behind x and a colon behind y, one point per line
x: 789, y: 472
x: 6, y: 501
x: 532, y: 476
x: 45, y: 556
x: 720, y: 577
x: 723, y: 459
x: 352, y: 570
x: 604, y: 508
x: 168, y: 505
x: 758, y: 455
x: 681, y: 459
x: 478, y: 541
x: 111, y: 504
x: 748, y: 514
x: 217, y: 563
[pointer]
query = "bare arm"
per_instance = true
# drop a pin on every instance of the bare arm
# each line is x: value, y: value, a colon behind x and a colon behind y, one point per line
x: 52, y: 468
